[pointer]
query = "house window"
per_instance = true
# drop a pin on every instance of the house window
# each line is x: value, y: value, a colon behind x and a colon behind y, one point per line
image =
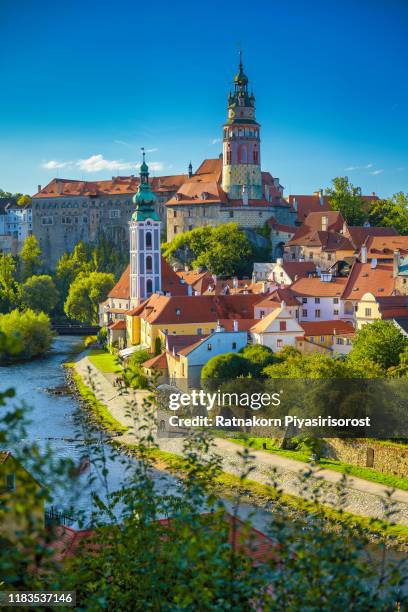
x: 282, y: 325
x: 329, y: 256
x: 149, y: 263
x: 47, y: 221
x: 149, y: 287
x: 148, y: 240
x: 231, y: 213
x: 234, y: 345
x: 176, y: 229
x: 279, y: 343
x: 199, y: 331
x: 11, y: 481
x: 368, y: 312
x: 335, y: 300
x: 178, y: 312
x: 114, y: 214
x: 321, y: 338
x: 317, y: 314
x: 66, y: 220
x: 209, y: 346
x: 310, y: 255
x: 304, y: 300
x: 174, y: 213
x: 317, y: 300
x: 304, y: 313
x: 262, y: 313
x: 335, y: 311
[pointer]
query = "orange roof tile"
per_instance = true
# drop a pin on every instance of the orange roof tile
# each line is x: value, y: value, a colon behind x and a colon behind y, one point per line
x: 171, y: 283
x: 324, y: 328
x: 359, y: 234
x: 364, y: 279
x: 383, y: 247
x: 122, y: 288
x: 299, y: 268
x: 315, y: 287
x: 120, y: 324
x: 158, y: 362
x: 278, y: 296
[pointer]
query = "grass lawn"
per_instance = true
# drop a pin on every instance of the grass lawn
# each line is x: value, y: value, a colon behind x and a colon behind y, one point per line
x: 366, y: 473
x: 104, y: 361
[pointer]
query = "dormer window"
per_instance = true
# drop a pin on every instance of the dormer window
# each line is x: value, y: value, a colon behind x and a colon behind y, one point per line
x: 178, y: 196
x: 204, y: 195
x: 178, y: 312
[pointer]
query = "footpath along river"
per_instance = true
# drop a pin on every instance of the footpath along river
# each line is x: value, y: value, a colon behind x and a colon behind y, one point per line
x: 58, y: 420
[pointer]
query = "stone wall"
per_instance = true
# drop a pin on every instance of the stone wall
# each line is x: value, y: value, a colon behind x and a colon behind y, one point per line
x: 390, y: 459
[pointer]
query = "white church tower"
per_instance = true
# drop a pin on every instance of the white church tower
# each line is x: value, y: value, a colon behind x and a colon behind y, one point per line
x: 145, y: 225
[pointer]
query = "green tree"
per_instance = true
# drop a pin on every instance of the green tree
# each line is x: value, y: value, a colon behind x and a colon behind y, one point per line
x: 40, y: 294
x: 346, y: 198
x: 30, y: 258
x: 85, y: 294
x: 31, y: 329
x: 223, y: 368
x: 380, y: 342
x: 392, y: 212
x: 258, y: 357
x: 9, y: 288
x: 24, y: 200
x: 71, y: 265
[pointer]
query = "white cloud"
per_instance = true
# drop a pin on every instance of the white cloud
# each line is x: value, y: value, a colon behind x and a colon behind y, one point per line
x: 351, y: 168
x: 53, y: 164
x: 375, y: 172
x: 151, y: 150
x: 215, y: 141
x: 154, y: 166
x: 96, y: 163
x: 122, y: 142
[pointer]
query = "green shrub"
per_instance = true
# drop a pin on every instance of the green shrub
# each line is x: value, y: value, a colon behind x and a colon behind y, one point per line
x: 31, y: 330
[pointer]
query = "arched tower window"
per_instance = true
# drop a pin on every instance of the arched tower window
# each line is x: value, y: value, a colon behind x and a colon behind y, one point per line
x: 148, y: 240
x: 149, y: 286
x: 149, y: 263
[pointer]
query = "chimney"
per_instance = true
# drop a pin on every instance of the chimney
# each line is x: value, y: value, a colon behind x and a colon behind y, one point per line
x: 363, y: 254
x: 321, y: 198
x: 295, y: 204
x: 39, y: 188
x: 214, y: 277
x: 373, y: 263
x: 219, y: 328
x: 59, y: 186
x: 254, y: 277
x: 245, y: 200
x: 235, y: 325
x: 190, y: 170
x: 189, y: 290
x: 344, y: 228
x: 279, y: 261
x: 396, y: 263
x: 283, y: 304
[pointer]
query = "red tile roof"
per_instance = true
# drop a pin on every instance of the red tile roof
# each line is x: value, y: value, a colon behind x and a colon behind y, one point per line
x: 364, y: 279
x: 393, y: 306
x: 118, y: 185
x: 122, y: 288
x: 158, y: 362
x: 325, y: 328
x: 383, y: 247
x: 307, y: 204
x: 299, y: 268
x: 315, y: 287
x: 326, y: 240
x: 359, y: 235
x: 243, y: 324
x: 160, y: 309
x: 278, y: 296
x: 175, y: 342
x: 120, y: 324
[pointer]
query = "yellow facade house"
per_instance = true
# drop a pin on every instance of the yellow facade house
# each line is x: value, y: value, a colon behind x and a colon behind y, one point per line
x: 21, y: 502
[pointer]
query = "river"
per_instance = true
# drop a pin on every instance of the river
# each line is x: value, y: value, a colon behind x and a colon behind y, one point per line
x: 59, y: 422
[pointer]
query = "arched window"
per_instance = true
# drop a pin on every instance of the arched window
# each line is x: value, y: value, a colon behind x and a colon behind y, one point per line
x: 148, y: 240
x: 242, y: 154
x: 149, y: 263
x: 149, y: 286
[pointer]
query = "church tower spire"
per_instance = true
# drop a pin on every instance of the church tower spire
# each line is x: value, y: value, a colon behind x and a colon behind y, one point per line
x: 145, y: 260
x: 241, y: 143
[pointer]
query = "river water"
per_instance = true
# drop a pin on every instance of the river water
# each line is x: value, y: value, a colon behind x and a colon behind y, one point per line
x: 58, y: 421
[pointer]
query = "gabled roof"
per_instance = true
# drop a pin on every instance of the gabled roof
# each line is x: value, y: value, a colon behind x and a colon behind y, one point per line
x: 118, y: 185
x: 324, y: 328
x: 178, y: 341
x: 307, y: 204
x: 120, y: 324
x: 298, y: 268
x: 392, y: 306
x: 364, y: 279
x: 359, y: 234
x: 315, y: 287
x: 383, y: 247
x: 158, y: 362
x: 326, y: 240
x: 122, y: 288
x: 278, y: 296
x: 279, y: 313
x: 161, y: 309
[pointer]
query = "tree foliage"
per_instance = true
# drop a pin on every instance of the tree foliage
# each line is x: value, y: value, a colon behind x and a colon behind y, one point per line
x: 346, y: 198
x: 31, y: 330
x: 85, y: 294
x: 24, y: 200
x: 380, y: 342
x: 30, y: 258
x: 40, y: 294
x: 223, y: 368
x: 392, y: 212
x: 224, y: 250
x: 9, y: 287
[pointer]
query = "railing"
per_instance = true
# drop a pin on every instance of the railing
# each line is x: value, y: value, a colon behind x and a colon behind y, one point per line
x: 75, y: 329
x: 57, y: 517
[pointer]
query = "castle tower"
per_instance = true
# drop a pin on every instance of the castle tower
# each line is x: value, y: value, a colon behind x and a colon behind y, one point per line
x: 241, y: 143
x: 145, y: 262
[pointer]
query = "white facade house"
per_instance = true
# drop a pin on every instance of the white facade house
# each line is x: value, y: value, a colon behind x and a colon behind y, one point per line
x: 15, y: 226
x: 276, y: 330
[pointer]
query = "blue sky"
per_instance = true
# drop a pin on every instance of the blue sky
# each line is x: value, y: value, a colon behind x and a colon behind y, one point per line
x: 84, y: 84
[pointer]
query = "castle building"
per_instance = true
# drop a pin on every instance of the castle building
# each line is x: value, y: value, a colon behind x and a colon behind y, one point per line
x: 145, y: 259
x: 233, y: 187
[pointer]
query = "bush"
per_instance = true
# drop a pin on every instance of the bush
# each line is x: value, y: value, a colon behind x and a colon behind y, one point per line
x: 32, y: 332
x: 258, y: 358
x: 224, y: 368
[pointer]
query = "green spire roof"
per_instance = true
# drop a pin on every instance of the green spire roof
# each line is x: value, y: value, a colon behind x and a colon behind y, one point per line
x: 241, y: 77
x: 145, y: 198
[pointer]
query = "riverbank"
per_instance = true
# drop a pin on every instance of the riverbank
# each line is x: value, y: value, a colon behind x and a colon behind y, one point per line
x: 365, y: 502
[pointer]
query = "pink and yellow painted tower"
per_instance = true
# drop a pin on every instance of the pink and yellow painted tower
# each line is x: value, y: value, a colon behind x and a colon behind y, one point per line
x: 241, y: 171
